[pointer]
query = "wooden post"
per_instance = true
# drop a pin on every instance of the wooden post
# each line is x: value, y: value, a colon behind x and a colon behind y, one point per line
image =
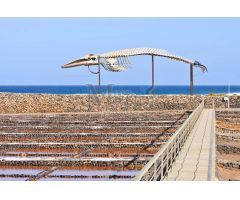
x: 99, y: 76
x: 191, y: 79
x: 152, y: 74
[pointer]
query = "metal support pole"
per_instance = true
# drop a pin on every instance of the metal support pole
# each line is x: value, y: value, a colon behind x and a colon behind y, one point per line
x: 152, y: 74
x: 191, y: 79
x: 228, y: 95
x: 99, y: 76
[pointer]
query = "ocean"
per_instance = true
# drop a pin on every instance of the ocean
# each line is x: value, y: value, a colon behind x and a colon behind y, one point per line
x: 120, y: 89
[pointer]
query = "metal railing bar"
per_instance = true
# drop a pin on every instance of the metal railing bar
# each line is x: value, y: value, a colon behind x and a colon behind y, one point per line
x: 212, y: 152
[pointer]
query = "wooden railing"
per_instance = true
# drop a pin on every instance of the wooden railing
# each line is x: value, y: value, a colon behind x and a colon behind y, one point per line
x: 157, y: 168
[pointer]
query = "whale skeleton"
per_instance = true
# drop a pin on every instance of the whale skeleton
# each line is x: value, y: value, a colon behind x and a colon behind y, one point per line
x: 118, y: 61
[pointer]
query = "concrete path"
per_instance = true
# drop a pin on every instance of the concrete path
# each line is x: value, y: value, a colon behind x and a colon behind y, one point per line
x: 196, y: 161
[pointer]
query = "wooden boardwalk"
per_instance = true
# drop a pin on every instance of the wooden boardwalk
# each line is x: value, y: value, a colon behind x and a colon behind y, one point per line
x: 196, y: 161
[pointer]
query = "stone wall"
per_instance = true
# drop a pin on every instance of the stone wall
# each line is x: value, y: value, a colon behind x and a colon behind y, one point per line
x: 220, y: 103
x: 229, y: 164
x: 46, y: 103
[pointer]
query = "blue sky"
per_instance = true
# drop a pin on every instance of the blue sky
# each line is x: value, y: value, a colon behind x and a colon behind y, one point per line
x: 32, y: 50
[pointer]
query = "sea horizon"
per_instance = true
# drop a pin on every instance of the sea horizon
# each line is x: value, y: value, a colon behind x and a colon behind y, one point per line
x: 121, y: 89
